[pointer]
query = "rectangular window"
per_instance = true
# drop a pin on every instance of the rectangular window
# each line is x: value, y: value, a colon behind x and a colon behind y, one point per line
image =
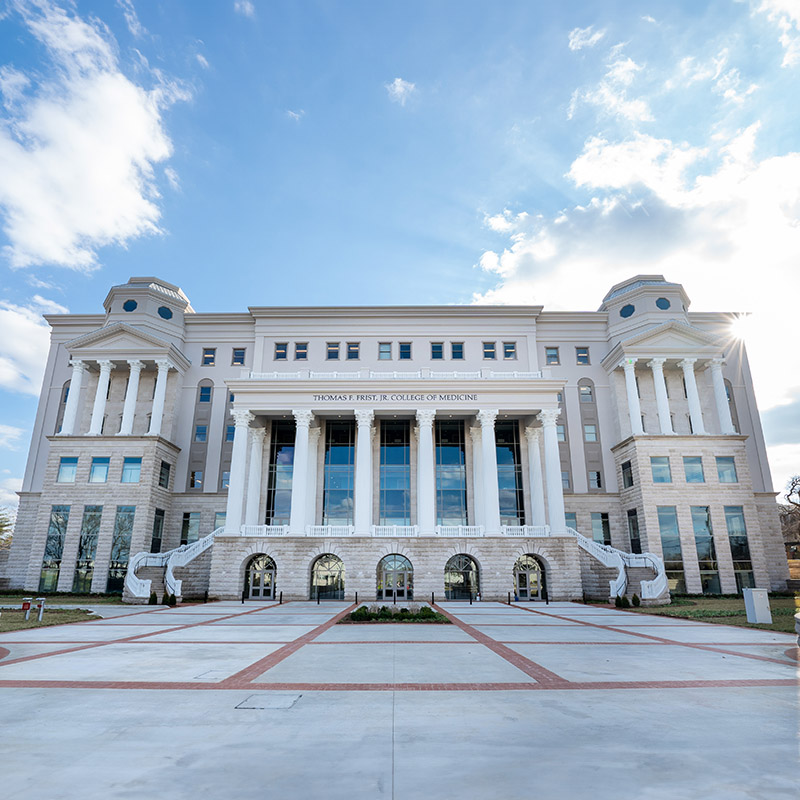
x: 281, y: 351
x: 509, y: 473
x: 205, y: 394
x: 394, y: 504
x: 404, y: 351
x: 332, y: 351
x: 131, y: 470
x: 301, y: 351
x: 230, y: 432
x: 384, y: 351
x: 99, y: 470
x: 437, y: 351
x: 671, y: 547
x: 190, y: 527
x: 120, y: 548
x: 661, y: 469
x: 201, y: 433
x: 451, y: 472
x: 489, y: 351
x: 196, y: 479
x: 225, y: 481
x: 230, y: 397
x: 551, y: 356
x: 601, y: 530
x: 627, y: 474
x: 163, y: 475
x: 693, y: 469
x: 740, y: 547
x: 457, y: 351
x: 586, y: 394
x: 565, y: 484
x: 158, y: 531
x: 582, y: 355
x: 67, y: 469
x: 353, y: 349
x: 209, y: 356
x: 339, y: 472
x: 561, y: 432
x: 237, y: 357
x: 571, y: 518
x: 589, y: 433
x: 510, y: 351
x: 595, y: 479
x: 726, y: 469
x: 219, y: 520
x: 633, y: 531
x: 279, y: 477
x: 706, y: 553
x: 54, y: 548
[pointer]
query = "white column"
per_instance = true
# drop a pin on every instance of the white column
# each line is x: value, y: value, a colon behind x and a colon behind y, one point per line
x: 157, y: 415
x: 99, y: 408
x: 695, y: 412
x: 297, y: 512
x: 311, y: 480
x: 662, y: 400
x: 73, y: 398
x: 533, y: 436
x: 233, y: 517
x: 552, y: 469
x: 254, y: 478
x: 721, y: 396
x: 491, y: 491
x: 477, y: 475
x: 130, y: 398
x: 426, y: 478
x: 362, y: 517
x: 634, y: 409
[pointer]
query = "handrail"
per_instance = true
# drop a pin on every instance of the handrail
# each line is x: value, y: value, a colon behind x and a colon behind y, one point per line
x: 264, y: 530
x: 181, y: 556
x: 609, y: 557
x: 655, y: 588
x: 534, y: 531
x: 390, y: 531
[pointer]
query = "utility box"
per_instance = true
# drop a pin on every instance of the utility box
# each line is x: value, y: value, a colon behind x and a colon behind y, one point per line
x: 756, y: 604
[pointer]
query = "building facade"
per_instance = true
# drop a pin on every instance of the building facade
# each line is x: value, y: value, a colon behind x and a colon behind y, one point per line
x: 397, y: 452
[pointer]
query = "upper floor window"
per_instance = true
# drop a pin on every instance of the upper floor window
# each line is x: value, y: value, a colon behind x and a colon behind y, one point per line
x: 457, y: 350
x: 99, y: 470
x: 209, y: 356
x: 67, y: 469
x: 489, y: 351
x: 595, y: 480
x: 131, y: 470
x: 353, y: 350
x: 332, y: 351
x: 551, y: 355
x: 627, y: 474
x: 565, y: 479
x: 201, y: 433
x: 225, y: 482
x: 693, y: 469
x: 586, y: 394
x: 230, y: 432
x: 281, y: 351
x: 163, y: 475
x: 561, y: 432
x: 660, y: 468
x: 384, y: 351
x: 582, y: 355
x: 437, y: 351
x: 237, y: 357
x: 590, y: 433
x: 509, y: 351
x: 726, y: 469
x: 196, y: 479
x: 205, y: 394
x: 300, y: 351
x: 404, y: 351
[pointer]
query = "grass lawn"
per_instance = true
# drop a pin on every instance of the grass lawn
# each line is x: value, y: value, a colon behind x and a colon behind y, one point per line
x: 62, y: 598
x: 14, y: 620
x: 728, y: 611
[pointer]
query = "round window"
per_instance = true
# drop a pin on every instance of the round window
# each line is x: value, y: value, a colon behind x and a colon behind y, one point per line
x: 165, y: 313
x: 627, y: 311
x: 663, y: 303
x: 130, y: 305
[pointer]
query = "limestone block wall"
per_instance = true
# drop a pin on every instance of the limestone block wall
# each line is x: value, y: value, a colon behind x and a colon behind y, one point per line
x: 15, y: 569
x: 195, y: 576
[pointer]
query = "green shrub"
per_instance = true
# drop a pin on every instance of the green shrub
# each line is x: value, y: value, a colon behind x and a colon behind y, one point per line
x: 636, y: 601
x: 426, y: 611
x: 404, y: 611
x: 170, y: 599
x: 361, y: 614
x: 618, y: 601
x: 624, y: 602
x: 153, y: 601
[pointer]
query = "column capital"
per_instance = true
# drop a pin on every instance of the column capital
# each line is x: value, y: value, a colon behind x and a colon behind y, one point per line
x: 163, y: 364
x: 364, y: 417
x: 628, y: 363
x: 474, y: 432
x: 242, y: 417
x: 313, y: 433
x: 687, y: 364
x: 258, y: 434
x: 716, y: 363
x: 548, y: 416
x: 656, y: 363
x: 135, y: 364
x: 106, y: 365
x: 425, y: 417
x: 487, y: 416
x: 303, y: 417
x: 532, y: 434
x: 77, y: 363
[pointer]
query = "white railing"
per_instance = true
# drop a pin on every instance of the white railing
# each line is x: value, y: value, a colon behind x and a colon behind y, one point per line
x: 181, y: 556
x: 658, y: 586
x: 396, y: 376
x: 329, y: 530
x: 459, y: 530
x: 334, y: 376
x: 609, y: 557
x: 140, y: 587
x: 467, y: 376
x: 525, y: 530
x: 425, y: 374
x: 264, y: 530
x: 392, y: 531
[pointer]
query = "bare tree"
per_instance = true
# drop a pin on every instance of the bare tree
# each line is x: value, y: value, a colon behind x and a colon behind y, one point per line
x: 7, y: 520
x: 790, y: 517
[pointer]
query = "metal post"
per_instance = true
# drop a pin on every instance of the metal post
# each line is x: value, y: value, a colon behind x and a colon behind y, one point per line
x: 394, y: 598
x: 432, y: 599
x: 205, y: 596
x: 356, y: 598
x: 280, y: 599
x: 26, y: 607
x: 242, y: 596
x: 317, y: 595
x: 470, y: 598
x: 509, y: 598
x: 40, y: 606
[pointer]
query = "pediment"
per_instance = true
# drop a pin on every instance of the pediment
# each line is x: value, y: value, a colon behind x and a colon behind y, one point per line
x: 673, y: 339
x: 120, y: 341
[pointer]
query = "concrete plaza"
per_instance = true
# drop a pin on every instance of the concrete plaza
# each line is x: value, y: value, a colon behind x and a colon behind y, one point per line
x: 549, y: 701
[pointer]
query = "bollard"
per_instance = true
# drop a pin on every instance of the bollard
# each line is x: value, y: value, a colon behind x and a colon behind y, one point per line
x: 432, y: 599
x: 280, y: 599
x: 546, y: 597
x: 26, y: 607
x: 394, y: 598
x: 509, y: 598
x: 205, y: 596
x: 470, y: 598
x: 242, y: 596
x: 317, y: 595
x: 356, y: 598
x: 40, y: 606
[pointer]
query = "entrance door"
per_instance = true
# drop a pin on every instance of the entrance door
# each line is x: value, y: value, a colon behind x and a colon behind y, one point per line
x: 261, y: 578
x: 395, y: 578
x: 461, y: 578
x: 528, y: 578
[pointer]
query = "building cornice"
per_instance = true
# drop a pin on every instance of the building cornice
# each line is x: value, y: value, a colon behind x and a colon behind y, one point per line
x: 316, y: 312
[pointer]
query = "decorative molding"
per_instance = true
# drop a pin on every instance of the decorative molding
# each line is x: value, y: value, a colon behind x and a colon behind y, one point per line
x: 687, y: 364
x: 303, y: 417
x: 533, y: 434
x: 656, y: 363
x: 628, y: 363
x: 487, y: 416
x: 258, y: 434
x: 364, y: 417
x: 135, y: 365
x: 105, y: 365
x: 425, y: 417
x: 548, y: 416
x: 242, y: 417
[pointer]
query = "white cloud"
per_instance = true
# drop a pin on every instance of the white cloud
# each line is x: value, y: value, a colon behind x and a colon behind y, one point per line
x: 9, y: 436
x: 295, y: 115
x: 400, y: 91
x: 726, y: 83
x: 77, y: 154
x: 786, y: 15
x: 172, y: 177
x: 12, y: 85
x: 202, y: 61
x: 784, y: 461
x: 584, y: 37
x: 8, y: 491
x: 245, y: 8
x: 24, y: 343
x: 131, y: 18
x: 648, y: 18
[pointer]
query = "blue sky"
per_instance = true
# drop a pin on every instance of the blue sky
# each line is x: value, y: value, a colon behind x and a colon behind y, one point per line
x: 399, y: 152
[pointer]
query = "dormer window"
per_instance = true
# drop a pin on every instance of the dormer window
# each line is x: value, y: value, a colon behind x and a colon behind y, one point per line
x: 130, y: 305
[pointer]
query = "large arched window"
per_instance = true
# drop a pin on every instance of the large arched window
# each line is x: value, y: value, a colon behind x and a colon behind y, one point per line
x: 395, y: 578
x: 327, y: 578
x: 461, y: 578
x: 529, y: 578
x: 259, y: 578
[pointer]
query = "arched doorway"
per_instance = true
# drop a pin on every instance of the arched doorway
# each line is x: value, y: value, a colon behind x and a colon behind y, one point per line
x: 529, y: 578
x: 327, y: 578
x: 461, y: 578
x: 259, y: 578
x: 395, y: 578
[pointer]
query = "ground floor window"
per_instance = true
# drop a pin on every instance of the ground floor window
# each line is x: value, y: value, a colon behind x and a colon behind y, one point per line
x: 87, y: 547
x: 120, y: 548
x: 327, y: 578
x: 671, y: 548
x: 740, y: 547
x: 461, y: 578
x: 395, y: 578
x: 53, y: 549
x: 259, y: 578
x: 706, y: 552
x: 529, y: 580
